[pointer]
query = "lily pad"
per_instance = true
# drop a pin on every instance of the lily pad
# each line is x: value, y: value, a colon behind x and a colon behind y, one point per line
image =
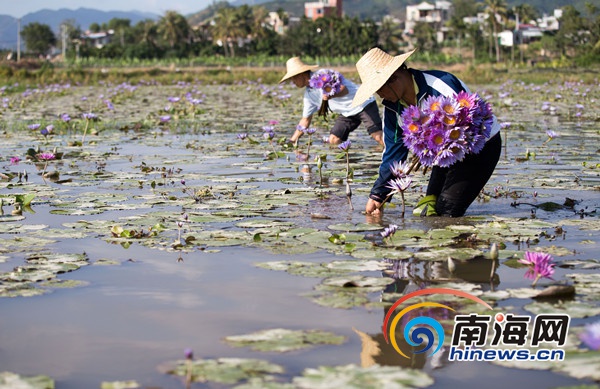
x: 355, y: 377
x: 120, y: 385
x: 283, y: 340
x: 10, y: 380
x: 222, y: 370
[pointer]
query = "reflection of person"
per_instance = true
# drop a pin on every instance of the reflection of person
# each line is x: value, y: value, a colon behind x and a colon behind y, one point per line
x: 450, y: 190
x: 349, y: 117
x: 411, y: 275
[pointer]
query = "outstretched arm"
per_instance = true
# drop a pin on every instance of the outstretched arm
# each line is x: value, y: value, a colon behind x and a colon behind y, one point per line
x: 304, y: 122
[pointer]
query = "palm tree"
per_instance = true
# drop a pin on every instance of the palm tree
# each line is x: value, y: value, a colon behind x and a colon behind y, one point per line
x: 495, y: 8
x: 526, y: 13
x: 228, y: 28
x: 257, y: 27
x: 174, y: 28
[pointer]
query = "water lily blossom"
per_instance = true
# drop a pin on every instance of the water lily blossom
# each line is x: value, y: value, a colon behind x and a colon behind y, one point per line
x: 444, y: 129
x: 345, y: 146
x: 389, y: 231
x: 591, y: 336
x: 45, y: 156
x: 539, y: 266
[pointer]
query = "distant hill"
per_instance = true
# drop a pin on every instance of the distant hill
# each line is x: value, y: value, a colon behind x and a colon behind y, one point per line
x: 83, y: 17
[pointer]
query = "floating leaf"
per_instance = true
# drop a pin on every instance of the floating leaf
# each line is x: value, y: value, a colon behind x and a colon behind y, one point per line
x: 223, y: 370
x: 120, y: 385
x: 282, y: 340
x: 355, y: 377
x: 10, y: 380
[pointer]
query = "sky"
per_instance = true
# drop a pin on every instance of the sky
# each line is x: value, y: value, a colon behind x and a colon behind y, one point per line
x: 20, y: 8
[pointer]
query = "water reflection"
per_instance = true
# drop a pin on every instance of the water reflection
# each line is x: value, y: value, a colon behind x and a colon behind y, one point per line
x: 411, y: 275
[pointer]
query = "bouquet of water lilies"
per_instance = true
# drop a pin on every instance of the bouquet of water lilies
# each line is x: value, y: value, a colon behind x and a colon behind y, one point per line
x: 446, y: 128
x: 330, y: 82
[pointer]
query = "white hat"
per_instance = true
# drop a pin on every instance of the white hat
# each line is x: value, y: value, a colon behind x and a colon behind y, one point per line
x: 295, y: 66
x: 374, y: 69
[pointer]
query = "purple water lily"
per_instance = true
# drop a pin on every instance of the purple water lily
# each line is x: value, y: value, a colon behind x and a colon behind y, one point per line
x: 345, y: 146
x: 446, y: 128
x: 389, y: 231
x: 591, y: 336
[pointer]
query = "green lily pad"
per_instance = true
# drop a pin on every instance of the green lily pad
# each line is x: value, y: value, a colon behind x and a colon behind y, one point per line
x: 10, y: 380
x: 349, y: 227
x: 355, y: 377
x: 304, y: 269
x: 222, y: 370
x: 283, y: 340
x: 20, y: 289
x: 264, y: 383
x: 358, y: 281
x: 120, y: 385
x: 575, y: 309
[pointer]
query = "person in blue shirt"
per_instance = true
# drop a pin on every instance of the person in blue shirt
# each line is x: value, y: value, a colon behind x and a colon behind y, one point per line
x: 349, y: 118
x: 450, y: 190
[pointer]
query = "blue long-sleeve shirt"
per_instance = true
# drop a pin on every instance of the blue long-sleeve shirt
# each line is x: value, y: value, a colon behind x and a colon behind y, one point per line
x: 428, y: 83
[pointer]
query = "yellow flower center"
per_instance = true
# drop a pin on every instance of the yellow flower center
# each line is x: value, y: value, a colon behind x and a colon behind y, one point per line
x: 413, y: 128
x: 449, y: 120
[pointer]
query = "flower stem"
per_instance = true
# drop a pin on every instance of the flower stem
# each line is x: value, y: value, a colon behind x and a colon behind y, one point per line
x: 403, y: 205
x: 537, y: 278
x: 87, y: 122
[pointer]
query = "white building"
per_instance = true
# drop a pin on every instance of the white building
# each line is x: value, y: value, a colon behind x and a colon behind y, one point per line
x: 436, y: 14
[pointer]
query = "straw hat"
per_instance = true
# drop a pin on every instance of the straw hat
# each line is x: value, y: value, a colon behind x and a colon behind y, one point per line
x: 374, y: 69
x: 294, y: 67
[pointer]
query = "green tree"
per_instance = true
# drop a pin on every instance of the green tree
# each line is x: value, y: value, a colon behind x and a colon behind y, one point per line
x: 228, y: 28
x: 389, y: 35
x: 424, y: 35
x: 39, y: 38
x: 174, y: 29
x: 465, y: 8
x: 122, y: 30
x: 145, y: 42
x: 526, y: 13
x: 95, y: 27
x: 495, y: 9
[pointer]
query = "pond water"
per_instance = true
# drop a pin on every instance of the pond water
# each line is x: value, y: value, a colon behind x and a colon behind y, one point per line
x: 178, y: 234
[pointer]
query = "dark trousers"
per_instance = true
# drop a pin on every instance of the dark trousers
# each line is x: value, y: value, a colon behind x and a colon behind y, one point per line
x: 457, y: 186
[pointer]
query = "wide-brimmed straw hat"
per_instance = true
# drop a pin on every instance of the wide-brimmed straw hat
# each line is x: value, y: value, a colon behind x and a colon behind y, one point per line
x: 374, y: 69
x: 295, y: 66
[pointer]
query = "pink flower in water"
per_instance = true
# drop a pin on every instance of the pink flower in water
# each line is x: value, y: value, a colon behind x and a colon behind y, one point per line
x: 539, y: 265
x: 591, y: 336
x: 45, y: 156
x: 15, y: 160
